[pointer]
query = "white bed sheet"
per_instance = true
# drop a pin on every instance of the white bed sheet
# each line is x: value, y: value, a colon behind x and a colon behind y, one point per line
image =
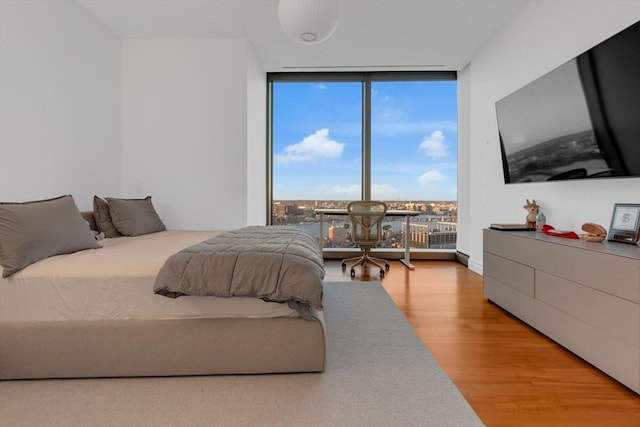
x: 116, y: 282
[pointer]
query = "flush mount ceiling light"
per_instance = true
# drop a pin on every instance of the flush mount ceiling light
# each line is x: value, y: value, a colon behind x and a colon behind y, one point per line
x: 308, y: 21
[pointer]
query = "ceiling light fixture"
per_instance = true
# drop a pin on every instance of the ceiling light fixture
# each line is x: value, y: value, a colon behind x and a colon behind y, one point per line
x: 308, y: 21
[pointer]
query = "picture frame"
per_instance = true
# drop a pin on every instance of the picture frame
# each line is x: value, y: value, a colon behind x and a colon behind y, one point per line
x: 625, y: 223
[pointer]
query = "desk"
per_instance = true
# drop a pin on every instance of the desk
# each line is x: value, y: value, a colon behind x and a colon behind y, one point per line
x: 405, y: 213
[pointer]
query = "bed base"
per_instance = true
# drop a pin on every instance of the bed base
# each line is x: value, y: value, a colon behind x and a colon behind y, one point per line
x: 172, y: 347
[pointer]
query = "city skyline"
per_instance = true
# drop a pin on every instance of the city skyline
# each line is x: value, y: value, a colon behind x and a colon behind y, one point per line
x: 434, y: 227
x: 282, y: 208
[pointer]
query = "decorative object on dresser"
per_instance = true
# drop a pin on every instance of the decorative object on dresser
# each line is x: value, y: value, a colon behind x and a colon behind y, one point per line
x: 625, y: 223
x: 541, y: 220
x: 584, y: 296
x: 595, y: 232
x: 510, y: 227
x: 532, y: 209
x: 566, y: 234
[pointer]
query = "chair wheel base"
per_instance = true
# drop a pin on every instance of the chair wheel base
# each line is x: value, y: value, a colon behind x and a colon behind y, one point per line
x: 353, y: 272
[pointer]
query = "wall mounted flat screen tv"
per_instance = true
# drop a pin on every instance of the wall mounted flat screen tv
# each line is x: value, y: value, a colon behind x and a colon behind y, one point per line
x: 580, y: 120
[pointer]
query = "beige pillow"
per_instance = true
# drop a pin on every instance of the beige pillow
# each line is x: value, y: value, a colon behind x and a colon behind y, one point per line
x: 32, y: 231
x: 134, y: 217
x: 103, y: 218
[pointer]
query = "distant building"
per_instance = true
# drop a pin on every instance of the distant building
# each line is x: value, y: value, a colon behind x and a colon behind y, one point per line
x: 447, y: 226
x: 279, y: 209
x: 294, y: 210
x: 418, y: 235
x: 443, y: 237
x: 443, y: 240
x: 337, y: 234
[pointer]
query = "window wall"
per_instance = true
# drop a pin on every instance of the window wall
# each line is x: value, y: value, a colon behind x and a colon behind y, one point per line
x: 338, y: 137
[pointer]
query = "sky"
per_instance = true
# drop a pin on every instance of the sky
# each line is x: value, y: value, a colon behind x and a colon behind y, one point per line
x: 317, y: 140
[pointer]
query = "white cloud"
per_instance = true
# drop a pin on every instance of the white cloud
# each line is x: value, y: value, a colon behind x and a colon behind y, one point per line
x: 383, y: 191
x: 430, y: 177
x: 346, y: 191
x: 312, y: 148
x: 387, y: 111
x: 400, y: 127
x: 434, y: 145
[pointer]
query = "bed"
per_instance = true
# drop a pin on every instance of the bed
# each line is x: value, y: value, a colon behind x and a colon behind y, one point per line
x: 92, y: 313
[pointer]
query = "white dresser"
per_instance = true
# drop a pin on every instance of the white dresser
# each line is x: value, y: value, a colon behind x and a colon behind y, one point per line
x: 583, y: 295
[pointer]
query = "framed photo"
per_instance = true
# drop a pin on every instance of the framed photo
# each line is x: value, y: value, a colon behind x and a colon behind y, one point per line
x: 625, y: 223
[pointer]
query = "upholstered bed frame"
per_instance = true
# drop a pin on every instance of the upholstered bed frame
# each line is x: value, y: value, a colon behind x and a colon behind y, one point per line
x: 168, y: 347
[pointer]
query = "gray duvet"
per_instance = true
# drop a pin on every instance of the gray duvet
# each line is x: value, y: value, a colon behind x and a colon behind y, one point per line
x: 274, y: 263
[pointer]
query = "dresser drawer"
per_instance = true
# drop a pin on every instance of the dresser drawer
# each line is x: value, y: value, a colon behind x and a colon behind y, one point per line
x: 510, y: 299
x: 507, y: 245
x: 513, y: 274
x: 615, y: 316
x: 608, y: 353
x: 612, y: 274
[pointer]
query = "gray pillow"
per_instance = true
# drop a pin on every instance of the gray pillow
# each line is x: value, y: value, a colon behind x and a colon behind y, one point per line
x: 103, y: 218
x: 32, y: 231
x: 134, y: 217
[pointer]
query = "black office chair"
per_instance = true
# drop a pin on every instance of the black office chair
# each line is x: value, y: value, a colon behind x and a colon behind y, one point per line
x: 366, y: 233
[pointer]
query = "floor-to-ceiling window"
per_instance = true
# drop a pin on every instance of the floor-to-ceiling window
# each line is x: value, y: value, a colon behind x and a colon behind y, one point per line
x: 338, y: 137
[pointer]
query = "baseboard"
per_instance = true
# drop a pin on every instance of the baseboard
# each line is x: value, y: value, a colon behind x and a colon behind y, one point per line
x: 462, y: 258
x: 475, y: 266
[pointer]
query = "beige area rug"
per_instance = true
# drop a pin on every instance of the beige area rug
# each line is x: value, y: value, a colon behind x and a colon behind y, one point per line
x: 378, y: 374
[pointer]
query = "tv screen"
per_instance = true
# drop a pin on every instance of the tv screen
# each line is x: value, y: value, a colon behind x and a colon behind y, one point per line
x: 581, y: 120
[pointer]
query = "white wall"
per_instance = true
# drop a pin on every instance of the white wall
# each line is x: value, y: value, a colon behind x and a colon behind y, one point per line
x: 60, y: 103
x: 256, y: 143
x: 464, y: 162
x: 544, y: 35
x: 185, y: 120
x: 185, y: 129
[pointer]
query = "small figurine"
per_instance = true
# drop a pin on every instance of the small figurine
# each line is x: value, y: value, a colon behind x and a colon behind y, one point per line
x: 532, y: 212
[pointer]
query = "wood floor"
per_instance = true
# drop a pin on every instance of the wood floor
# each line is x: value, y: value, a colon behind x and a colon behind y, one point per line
x: 509, y: 373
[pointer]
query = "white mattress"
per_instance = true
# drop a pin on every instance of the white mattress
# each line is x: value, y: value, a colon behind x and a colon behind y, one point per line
x: 116, y: 282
